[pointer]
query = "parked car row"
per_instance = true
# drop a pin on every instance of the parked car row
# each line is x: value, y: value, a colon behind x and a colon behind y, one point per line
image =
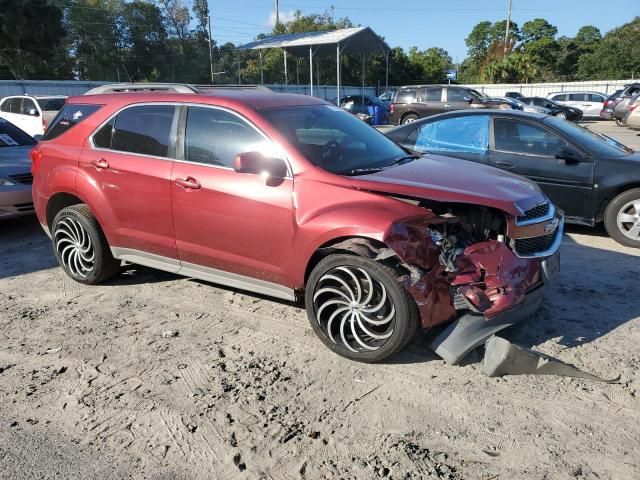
x: 622, y: 105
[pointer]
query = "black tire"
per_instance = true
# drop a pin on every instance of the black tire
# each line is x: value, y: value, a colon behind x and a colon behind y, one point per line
x: 80, y: 246
x: 561, y: 115
x: 619, y: 209
x: 408, y: 118
x: 404, y: 313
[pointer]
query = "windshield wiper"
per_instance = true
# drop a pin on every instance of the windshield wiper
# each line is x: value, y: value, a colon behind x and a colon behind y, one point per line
x: 403, y: 159
x: 363, y: 171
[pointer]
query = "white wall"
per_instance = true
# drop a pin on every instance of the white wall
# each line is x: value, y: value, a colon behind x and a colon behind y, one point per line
x: 544, y: 89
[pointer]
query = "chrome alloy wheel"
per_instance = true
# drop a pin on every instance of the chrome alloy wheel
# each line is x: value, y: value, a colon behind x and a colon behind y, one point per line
x: 354, y: 310
x: 74, y: 247
x: 628, y: 220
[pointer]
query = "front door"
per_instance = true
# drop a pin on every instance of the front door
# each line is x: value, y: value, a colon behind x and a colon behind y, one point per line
x: 430, y: 101
x: 130, y: 164
x: 224, y: 220
x: 530, y: 150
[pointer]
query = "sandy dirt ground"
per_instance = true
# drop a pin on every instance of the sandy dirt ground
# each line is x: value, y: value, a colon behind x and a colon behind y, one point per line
x: 90, y: 388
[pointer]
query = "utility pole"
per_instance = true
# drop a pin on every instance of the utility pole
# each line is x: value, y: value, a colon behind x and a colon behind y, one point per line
x: 277, y: 13
x: 506, y: 33
x: 210, y: 48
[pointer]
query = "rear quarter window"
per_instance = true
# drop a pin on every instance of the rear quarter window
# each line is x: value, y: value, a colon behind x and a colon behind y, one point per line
x: 406, y: 96
x: 70, y: 116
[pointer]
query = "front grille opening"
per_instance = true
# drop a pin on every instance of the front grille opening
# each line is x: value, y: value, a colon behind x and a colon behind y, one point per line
x: 26, y: 178
x: 532, y: 246
x: 535, y: 212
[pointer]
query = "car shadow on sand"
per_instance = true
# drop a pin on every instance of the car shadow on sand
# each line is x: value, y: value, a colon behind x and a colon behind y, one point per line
x: 24, y: 247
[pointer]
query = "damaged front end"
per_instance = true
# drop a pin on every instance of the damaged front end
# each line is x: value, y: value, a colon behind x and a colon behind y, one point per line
x: 475, y: 266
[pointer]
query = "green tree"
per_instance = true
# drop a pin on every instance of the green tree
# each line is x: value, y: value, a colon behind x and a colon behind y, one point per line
x: 617, y: 56
x: 143, y: 40
x: 30, y: 33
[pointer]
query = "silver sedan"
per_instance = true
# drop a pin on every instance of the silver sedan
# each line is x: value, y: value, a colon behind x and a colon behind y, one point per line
x: 15, y: 171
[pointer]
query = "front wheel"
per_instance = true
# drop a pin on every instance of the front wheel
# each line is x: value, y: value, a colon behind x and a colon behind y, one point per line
x: 357, y: 307
x: 622, y: 218
x: 80, y: 246
x: 619, y: 122
x: 561, y: 115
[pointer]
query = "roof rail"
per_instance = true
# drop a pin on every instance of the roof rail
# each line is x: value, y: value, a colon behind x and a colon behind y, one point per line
x: 167, y: 87
x: 143, y: 87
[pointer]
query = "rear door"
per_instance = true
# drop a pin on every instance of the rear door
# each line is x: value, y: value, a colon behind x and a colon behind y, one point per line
x: 129, y: 161
x: 31, y: 119
x: 430, y: 101
x: 225, y: 220
x: 530, y: 150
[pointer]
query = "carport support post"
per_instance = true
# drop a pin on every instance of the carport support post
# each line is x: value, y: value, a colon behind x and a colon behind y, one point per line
x: 386, y: 76
x: 286, y: 79
x: 311, y: 69
x: 363, y: 60
x: 338, y: 75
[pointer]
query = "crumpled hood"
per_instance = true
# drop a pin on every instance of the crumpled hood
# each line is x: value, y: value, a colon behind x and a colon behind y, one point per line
x: 15, y: 160
x: 449, y: 179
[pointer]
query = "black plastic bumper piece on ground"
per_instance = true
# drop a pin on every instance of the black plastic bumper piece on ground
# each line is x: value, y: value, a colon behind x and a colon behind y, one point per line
x: 472, y: 329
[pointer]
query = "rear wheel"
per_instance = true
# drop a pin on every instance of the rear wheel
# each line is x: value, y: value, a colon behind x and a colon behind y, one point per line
x: 358, y: 308
x: 619, y: 122
x: 622, y: 218
x: 80, y: 246
x: 412, y: 117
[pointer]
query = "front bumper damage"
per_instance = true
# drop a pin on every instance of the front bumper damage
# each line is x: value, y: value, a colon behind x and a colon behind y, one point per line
x: 481, y: 290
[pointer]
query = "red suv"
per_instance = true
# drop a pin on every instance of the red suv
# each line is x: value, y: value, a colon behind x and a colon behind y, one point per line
x: 291, y: 197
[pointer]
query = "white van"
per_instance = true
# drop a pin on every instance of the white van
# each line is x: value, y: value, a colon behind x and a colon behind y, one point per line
x: 31, y: 113
x: 589, y: 102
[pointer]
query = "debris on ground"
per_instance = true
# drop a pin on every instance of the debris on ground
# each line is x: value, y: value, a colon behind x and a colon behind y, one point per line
x: 502, y: 357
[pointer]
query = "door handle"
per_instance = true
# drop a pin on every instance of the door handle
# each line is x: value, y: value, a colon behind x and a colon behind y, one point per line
x: 188, y: 182
x: 100, y: 163
x: 504, y: 165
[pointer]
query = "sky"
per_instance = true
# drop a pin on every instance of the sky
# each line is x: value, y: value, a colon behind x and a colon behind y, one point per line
x: 421, y: 23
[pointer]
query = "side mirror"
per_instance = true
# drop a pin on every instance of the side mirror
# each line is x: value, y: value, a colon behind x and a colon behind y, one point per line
x: 33, y: 112
x: 259, y: 164
x: 569, y: 155
x: 468, y: 99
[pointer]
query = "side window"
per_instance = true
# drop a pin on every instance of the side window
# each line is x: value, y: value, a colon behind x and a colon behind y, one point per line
x: 559, y: 98
x: 596, y: 98
x: 15, y: 105
x: 144, y: 129
x: 577, y: 97
x: 215, y: 137
x: 431, y: 94
x: 29, y: 108
x: 6, y: 106
x: 460, y: 134
x: 103, y: 137
x: 525, y: 138
x: 67, y: 118
x: 406, y: 95
x: 457, y: 95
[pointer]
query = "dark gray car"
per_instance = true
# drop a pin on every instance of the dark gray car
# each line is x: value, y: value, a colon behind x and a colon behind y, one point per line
x: 622, y: 102
x: 591, y: 177
x: 15, y: 171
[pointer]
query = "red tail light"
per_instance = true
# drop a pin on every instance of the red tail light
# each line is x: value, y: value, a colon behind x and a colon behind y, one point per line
x: 392, y: 108
x: 631, y: 108
x: 36, y: 156
x: 44, y: 124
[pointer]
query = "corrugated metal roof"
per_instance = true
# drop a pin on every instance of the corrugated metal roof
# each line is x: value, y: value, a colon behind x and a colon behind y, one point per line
x: 351, y: 40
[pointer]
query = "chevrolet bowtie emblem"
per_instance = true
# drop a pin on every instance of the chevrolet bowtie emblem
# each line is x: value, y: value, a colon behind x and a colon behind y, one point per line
x: 551, y: 226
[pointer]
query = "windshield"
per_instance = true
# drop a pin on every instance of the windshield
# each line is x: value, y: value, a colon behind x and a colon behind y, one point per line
x: 335, y: 140
x: 594, y: 142
x: 12, y: 136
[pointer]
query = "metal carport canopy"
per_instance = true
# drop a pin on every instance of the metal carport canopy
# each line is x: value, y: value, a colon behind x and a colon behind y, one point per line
x: 361, y: 40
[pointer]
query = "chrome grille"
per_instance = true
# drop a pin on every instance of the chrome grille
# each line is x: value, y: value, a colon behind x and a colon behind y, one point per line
x: 25, y: 178
x: 535, y: 212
